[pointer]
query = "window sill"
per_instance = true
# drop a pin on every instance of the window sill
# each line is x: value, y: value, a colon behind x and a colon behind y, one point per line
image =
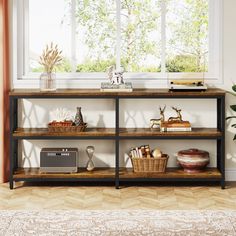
x: 96, y: 83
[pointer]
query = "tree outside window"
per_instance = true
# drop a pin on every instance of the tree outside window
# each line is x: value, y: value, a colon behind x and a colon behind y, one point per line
x: 182, y: 42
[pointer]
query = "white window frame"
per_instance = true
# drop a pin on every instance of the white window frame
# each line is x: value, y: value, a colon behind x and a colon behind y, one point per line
x: 21, y: 79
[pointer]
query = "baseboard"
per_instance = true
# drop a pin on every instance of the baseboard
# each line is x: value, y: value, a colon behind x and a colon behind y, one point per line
x: 230, y: 174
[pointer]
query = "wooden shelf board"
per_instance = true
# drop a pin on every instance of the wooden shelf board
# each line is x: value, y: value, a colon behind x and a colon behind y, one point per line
x: 110, y: 132
x: 34, y: 173
x: 147, y: 132
x: 96, y: 93
x: 32, y: 132
x: 125, y: 173
x: 171, y: 173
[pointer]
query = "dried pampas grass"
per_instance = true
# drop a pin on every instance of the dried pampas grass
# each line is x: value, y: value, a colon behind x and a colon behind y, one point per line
x: 51, y: 57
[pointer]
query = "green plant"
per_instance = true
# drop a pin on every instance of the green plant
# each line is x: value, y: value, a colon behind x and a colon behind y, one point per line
x: 233, y: 107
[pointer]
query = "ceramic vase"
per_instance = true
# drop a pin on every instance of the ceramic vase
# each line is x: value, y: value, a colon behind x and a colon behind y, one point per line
x: 79, y: 117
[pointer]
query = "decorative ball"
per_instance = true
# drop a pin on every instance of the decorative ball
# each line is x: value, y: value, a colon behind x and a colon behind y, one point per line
x: 156, y: 153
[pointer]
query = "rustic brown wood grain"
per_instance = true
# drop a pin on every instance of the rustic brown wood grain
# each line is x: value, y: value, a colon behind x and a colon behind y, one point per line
x: 82, y: 173
x: 171, y: 173
x: 147, y: 132
x: 31, y: 132
x: 110, y: 173
x: 96, y: 93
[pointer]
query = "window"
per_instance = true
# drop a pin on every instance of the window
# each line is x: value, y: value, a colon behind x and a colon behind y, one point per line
x: 150, y: 39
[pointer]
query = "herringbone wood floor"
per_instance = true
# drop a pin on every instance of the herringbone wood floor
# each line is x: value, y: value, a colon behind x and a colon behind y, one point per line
x: 35, y: 197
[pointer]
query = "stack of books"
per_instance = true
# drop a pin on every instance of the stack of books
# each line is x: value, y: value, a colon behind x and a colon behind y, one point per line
x: 175, y: 126
x: 108, y: 87
x: 187, y: 85
x: 141, y: 152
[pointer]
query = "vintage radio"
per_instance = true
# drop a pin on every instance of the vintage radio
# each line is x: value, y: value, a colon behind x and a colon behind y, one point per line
x: 59, y: 160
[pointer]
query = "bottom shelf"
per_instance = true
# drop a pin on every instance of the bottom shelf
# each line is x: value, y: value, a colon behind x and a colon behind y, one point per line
x: 172, y: 173
x: 34, y: 173
x: 109, y: 173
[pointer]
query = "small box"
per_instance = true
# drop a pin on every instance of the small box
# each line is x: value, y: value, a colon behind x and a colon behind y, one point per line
x: 59, y: 160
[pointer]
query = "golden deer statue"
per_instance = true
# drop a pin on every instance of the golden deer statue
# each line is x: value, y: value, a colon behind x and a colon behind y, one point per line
x: 158, y: 121
x: 178, y: 118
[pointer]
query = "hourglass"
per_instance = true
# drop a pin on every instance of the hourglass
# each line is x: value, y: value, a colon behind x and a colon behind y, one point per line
x: 90, y: 164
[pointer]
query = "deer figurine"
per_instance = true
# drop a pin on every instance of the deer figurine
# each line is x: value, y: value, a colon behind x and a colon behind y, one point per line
x: 158, y: 121
x: 178, y: 118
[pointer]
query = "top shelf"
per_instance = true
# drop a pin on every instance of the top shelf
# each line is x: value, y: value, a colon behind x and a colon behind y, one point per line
x: 96, y: 93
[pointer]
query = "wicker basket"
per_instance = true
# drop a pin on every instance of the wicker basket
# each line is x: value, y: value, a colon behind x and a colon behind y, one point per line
x: 157, y: 165
x: 52, y: 128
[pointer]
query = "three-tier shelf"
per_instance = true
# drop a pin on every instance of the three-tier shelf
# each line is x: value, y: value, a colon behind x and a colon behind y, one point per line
x: 117, y: 175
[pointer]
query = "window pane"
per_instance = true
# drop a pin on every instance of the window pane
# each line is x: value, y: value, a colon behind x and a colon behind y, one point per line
x: 187, y: 35
x: 49, y: 21
x: 140, y: 29
x: 96, y: 35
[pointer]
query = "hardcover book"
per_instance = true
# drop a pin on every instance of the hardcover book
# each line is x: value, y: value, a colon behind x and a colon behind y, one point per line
x: 176, y: 129
x: 108, y: 87
x: 187, y: 85
x: 175, y: 126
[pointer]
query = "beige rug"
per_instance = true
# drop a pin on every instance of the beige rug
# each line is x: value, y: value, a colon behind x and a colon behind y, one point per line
x: 141, y: 222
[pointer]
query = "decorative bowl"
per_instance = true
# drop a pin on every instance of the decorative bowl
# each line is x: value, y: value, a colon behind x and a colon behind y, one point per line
x: 193, y: 160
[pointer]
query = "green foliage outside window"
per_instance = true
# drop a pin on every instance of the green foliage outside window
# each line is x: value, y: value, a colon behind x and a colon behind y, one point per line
x: 187, y: 45
x: 65, y: 66
x: 184, y: 63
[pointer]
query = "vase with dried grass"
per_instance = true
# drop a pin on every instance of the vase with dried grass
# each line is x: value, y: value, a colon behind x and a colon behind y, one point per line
x: 50, y: 58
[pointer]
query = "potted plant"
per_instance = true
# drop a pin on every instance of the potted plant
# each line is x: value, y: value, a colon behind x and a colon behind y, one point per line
x: 51, y: 57
x: 233, y: 107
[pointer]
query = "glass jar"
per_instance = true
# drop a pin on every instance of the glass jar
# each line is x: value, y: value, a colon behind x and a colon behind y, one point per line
x: 48, y: 81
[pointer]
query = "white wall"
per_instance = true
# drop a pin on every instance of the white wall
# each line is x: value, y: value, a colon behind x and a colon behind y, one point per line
x: 100, y: 112
x: 229, y: 52
x: 137, y: 114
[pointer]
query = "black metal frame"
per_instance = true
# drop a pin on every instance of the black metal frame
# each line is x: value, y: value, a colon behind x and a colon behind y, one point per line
x: 117, y: 180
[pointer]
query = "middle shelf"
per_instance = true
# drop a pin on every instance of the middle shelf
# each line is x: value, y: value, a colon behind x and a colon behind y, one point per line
x: 147, y: 132
x: 42, y: 133
x: 110, y: 133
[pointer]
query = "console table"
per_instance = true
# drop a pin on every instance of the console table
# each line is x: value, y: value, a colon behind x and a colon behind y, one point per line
x: 117, y: 175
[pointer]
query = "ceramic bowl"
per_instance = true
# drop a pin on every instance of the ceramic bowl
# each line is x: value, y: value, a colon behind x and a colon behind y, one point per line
x: 193, y: 160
